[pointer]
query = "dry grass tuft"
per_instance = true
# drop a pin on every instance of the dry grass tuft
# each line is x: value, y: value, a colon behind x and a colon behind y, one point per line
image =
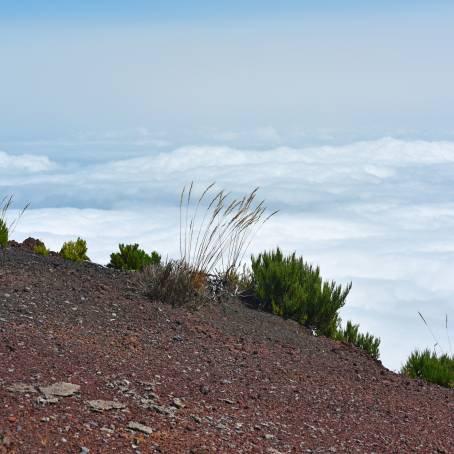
x: 216, y: 241
x: 174, y: 283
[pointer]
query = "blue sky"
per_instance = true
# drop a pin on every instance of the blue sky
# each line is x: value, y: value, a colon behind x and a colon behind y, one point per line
x: 200, y: 71
x: 162, y: 10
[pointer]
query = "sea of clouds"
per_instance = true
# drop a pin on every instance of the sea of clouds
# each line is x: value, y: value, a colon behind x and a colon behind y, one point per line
x: 377, y: 213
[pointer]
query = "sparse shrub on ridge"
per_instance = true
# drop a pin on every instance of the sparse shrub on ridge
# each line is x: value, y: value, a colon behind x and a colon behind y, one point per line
x: 132, y: 258
x: 75, y: 250
x: 175, y: 283
x: 212, y: 245
x: 41, y: 249
x: 5, y: 228
x: 238, y: 282
x: 4, y: 234
x: 289, y: 287
x: 367, y: 342
x: 431, y: 367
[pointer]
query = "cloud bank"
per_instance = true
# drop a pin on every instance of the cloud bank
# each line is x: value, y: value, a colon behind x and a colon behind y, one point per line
x: 377, y: 213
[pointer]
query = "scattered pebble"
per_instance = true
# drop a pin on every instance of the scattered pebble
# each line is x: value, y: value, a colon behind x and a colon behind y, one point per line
x: 177, y: 402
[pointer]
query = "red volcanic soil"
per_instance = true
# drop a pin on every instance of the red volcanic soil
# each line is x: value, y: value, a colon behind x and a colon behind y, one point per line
x: 224, y: 379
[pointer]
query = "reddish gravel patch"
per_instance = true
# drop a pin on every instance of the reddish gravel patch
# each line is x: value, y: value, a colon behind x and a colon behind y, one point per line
x: 224, y: 379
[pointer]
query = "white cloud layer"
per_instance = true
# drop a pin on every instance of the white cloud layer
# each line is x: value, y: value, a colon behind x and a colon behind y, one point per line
x: 23, y: 163
x: 378, y: 213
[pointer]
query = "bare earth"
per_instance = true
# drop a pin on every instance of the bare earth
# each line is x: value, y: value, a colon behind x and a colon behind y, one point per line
x: 87, y: 364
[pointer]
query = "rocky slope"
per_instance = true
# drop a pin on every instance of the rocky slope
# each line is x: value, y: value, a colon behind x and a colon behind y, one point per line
x: 88, y: 365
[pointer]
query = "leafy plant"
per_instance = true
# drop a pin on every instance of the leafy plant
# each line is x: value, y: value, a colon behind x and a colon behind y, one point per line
x: 41, y: 249
x: 367, y: 342
x: 175, y: 283
x: 222, y: 235
x: 5, y: 228
x: 291, y: 288
x: 131, y: 257
x: 431, y: 367
x: 4, y: 234
x: 75, y: 250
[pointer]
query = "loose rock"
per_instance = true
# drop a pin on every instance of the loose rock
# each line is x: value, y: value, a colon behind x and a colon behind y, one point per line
x: 21, y: 388
x: 105, y: 405
x: 61, y: 389
x: 140, y: 427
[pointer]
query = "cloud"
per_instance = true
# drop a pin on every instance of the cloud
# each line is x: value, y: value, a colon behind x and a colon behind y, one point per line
x: 23, y: 163
x: 377, y: 213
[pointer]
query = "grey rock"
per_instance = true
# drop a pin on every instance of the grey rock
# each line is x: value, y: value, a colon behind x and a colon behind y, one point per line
x: 168, y: 411
x: 140, y: 427
x: 105, y: 405
x: 60, y: 389
x: 21, y: 388
x: 177, y: 403
x: 47, y: 400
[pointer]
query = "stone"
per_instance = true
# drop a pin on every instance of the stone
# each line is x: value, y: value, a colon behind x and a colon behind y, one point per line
x: 167, y: 411
x: 61, y: 389
x: 105, y: 405
x: 177, y: 403
x: 140, y: 427
x: 21, y: 388
x: 204, y: 389
x: 47, y: 400
x: 30, y: 243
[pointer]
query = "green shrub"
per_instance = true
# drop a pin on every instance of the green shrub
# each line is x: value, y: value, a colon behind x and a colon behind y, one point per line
x: 4, y: 233
x: 75, y: 250
x: 293, y: 289
x: 367, y: 342
x: 430, y: 367
x: 5, y: 228
x: 175, y: 283
x: 41, y: 249
x: 131, y: 257
x: 237, y: 282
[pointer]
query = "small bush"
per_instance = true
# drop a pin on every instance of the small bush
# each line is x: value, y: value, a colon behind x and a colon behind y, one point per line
x: 4, y: 234
x: 367, y: 342
x: 75, y: 250
x: 293, y: 289
x: 41, y: 249
x: 430, y: 367
x: 5, y: 228
x: 131, y: 257
x: 234, y: 282
x: 174, y: 283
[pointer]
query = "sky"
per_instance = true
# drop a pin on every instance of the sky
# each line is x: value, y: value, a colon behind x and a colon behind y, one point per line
x: 342, y: 112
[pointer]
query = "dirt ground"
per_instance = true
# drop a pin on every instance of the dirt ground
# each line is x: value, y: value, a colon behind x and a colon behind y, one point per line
x: 89, y: 365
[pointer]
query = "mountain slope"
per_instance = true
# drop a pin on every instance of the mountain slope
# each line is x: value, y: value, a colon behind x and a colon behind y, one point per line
x: 226, y: 378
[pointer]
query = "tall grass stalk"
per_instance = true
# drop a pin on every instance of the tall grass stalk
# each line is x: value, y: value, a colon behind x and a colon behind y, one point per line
x: 7, y: 228
x: 221, y: 237
x: 436, y: 343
